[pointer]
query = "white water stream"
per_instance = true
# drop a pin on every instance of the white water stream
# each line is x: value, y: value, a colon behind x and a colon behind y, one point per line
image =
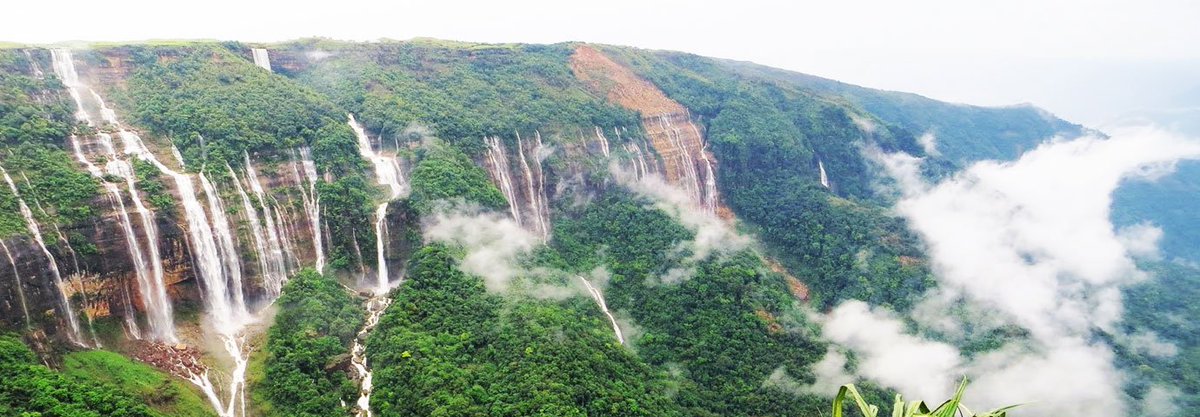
x: 596, y: 295
x: 76, y: 334
x: 388, y: 174
x: 261, y: 58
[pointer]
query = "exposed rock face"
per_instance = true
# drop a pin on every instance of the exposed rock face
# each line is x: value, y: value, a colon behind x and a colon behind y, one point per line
x: 668, y: 125
x: 100, y: 274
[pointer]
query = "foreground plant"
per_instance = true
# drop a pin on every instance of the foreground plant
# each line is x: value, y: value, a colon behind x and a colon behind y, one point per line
x: 914, y: 408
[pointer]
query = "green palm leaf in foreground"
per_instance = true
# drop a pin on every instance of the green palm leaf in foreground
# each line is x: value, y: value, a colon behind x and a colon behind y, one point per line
x: 914, y: 408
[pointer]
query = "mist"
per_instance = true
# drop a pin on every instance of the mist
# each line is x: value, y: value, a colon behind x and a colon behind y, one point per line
x: 1030, y: 243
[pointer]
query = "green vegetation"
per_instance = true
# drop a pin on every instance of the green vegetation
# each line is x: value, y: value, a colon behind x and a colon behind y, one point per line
x: 29, y: 389
x: 726, y: 327
x: 964, y: 133
x: 1165, y: 305
x: 167, y: 395
x: 766, y: 138
x: 215, y: 105
x: 447, y: 347
x: 308, y: 349
x: 950, y: 408
x: 35, y: 120
x: 445, y: 173
x: 463, y: 91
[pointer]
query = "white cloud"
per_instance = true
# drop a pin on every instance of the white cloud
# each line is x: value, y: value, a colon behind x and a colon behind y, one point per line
x: 493, y: 243
x: 1161, y: 401
x: 712, y: 236
x: 1030, y: 240
x: 916, y: 367
x: 1141, y: 239
x: 929, y: 143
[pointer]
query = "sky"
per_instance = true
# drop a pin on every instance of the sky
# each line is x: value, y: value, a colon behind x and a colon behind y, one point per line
x: 1091, y: 62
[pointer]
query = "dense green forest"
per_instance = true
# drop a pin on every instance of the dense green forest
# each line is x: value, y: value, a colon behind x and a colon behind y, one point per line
x: 705, y: 336
x: 765, y: 138
x: 446, y: 86
x: 30, y: 389
x: 317, y: 320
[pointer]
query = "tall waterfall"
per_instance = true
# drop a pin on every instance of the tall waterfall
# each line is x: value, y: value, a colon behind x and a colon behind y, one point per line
x: 276, y: 269
x: 31, y: 224
x: 20, y: 287
x: 498, y: 168
x: 312, y: 205
x: 824, y: 177
x: 33, y: 65
x: 147, y: 263
x: 596, y: 295
x: 535, y: 188
x: 688, y: 174
x: 529, y: 206
x: 261, y: 58
x: 227, y: 311
x: 603, y: 141
x: 388, y: 174
x: 710, y: 183
x: 224, y: 238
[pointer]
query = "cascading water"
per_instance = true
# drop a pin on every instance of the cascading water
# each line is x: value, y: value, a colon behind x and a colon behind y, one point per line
x: 710, y: 183
x: 312, y: 205
x: 534, y: 187
x: 603, y: 141
x: 498, y: 169
x: 31, y: 224
x: 147, y: 264
x: 224, y: 238
x: 690, y: 178
x: 824, y: 177
x: 358, y: 354
x: 388, y: 174
x: 275, y: 267
x: 227, y: 312
x: 596, y: 295
x: 261, y: 58
x: 20, y: 287
x: 33, y: 65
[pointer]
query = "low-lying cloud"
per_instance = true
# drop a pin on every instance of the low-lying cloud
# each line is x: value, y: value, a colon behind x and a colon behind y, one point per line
x: 1031, y: 241
x: 711, y: 234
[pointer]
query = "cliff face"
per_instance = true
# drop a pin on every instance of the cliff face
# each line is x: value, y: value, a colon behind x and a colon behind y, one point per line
x: 133, y: 261
x: 676, y: 140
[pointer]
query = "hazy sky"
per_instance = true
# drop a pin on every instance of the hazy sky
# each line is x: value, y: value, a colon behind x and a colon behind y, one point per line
x: 1088, y: 61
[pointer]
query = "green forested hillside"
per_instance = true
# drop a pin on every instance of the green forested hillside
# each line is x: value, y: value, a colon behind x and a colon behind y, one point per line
x: 707, y: 333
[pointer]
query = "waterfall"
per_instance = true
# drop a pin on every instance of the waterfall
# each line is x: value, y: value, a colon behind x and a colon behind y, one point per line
x: 20, y: 287
x: 261, y: 247
x: 312, y: 205
x: 358, y: 354
x: 76, y: 335
x: 535, y: 188
x: 147, y: 264
x: 388, y: 174
x: 710, y: 183
x: 824, y: 177
x: 33, y: 64
x: 686, y: 162
x: 276, y: 267
x: 596, y: 295
x: 224, y: 238
x: 603, y: 141
x: 498, y: 168
x: 261, y: 58
x: 227, y: 311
